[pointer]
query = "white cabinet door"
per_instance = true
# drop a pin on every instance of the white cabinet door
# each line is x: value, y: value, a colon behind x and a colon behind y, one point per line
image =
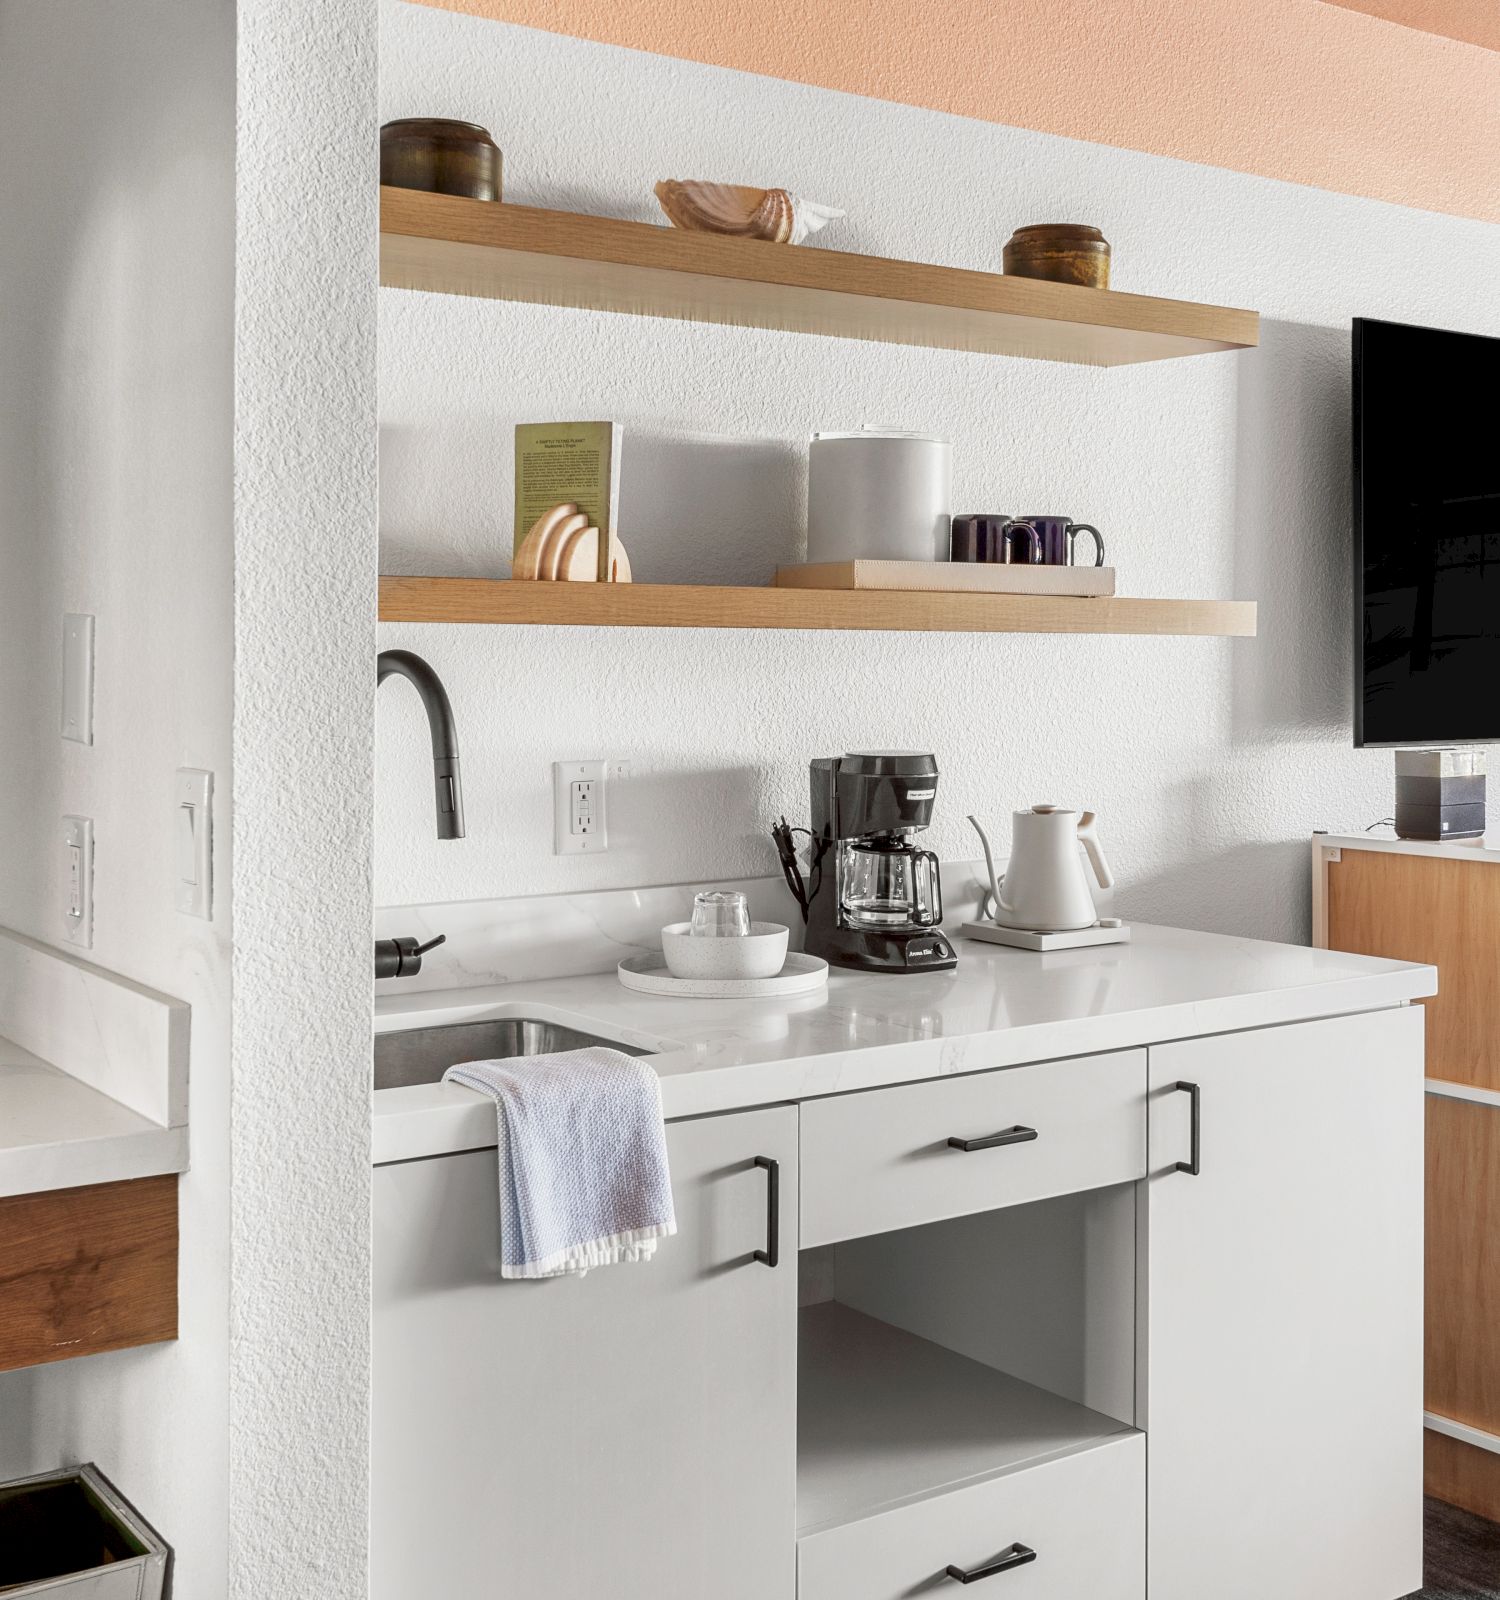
x: 1283, y: 1401
x: 631, y: 1435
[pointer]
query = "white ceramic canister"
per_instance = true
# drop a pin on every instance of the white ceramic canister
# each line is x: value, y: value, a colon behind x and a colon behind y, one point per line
x: 879, y: 495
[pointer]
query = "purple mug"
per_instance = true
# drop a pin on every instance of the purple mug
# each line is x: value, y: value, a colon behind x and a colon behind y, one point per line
x: 995, y: 537
x: 1058, y: 539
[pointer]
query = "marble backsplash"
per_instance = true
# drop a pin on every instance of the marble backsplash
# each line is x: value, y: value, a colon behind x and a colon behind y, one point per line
x: 567, y: 935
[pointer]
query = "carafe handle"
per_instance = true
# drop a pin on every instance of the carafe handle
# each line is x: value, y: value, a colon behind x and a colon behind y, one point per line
x: 937, y: 890
x: 1089, y: 836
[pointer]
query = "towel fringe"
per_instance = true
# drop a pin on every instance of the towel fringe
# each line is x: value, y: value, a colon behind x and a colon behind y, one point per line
x: 631, y: 1244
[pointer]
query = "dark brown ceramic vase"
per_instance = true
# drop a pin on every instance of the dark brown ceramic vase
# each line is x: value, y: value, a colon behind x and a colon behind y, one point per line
x: 440, y: 156
x: 1060, y: 252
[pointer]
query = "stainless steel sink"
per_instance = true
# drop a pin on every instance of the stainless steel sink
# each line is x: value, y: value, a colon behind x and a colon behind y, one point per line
x: 422, y: 1055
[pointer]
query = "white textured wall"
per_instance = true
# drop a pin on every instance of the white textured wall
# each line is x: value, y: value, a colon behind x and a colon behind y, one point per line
x: 116, y: 287
x: 1208, y: 761
x: 304, y: 637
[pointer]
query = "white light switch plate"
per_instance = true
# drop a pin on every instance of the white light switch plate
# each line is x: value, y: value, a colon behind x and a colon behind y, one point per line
x: 193, y: 841
x: 78, y: 880
x: 580, y: 818
x: 78, y: 678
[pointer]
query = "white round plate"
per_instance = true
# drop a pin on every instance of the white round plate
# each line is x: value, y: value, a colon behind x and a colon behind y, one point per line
x: 648, y: 973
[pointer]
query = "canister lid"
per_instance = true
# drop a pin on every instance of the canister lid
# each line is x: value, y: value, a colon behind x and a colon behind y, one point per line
x: 884, y: 433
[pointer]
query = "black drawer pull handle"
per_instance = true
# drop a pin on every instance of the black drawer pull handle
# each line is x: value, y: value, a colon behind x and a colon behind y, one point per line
x: 1016, y: 1135
x: 1017, y: 1556
x: 1191, y: 1167
x: 771, y: 1255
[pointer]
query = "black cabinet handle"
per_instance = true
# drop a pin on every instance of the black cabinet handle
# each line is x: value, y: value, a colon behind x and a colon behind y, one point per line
x: 1016, y: 1135
x: 1191, y: 1167
x: 1017, y: 1556
x: 771, y: 1255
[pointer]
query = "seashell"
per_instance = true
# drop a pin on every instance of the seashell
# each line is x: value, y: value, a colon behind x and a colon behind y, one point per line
x: 735, y: 209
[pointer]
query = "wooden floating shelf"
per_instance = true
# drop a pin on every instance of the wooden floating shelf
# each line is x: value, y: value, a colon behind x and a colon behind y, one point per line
x: 560, y: 258
x: 665, y: 605
x: 87, y: 1269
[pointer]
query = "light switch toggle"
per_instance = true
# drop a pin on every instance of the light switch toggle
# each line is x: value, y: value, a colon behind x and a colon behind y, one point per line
x: 193, y: 842
x: 78, y: 880
x: 187, y: 861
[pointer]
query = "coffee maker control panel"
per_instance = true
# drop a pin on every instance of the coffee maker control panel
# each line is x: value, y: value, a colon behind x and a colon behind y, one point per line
x: 931, y: 950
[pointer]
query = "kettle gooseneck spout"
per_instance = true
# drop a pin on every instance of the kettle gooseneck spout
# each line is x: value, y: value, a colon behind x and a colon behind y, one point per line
x: 447, y: 791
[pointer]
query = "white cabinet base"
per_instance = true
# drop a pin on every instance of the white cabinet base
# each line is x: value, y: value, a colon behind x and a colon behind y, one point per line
x: 629, y: 1435
x: 1284, y: 1314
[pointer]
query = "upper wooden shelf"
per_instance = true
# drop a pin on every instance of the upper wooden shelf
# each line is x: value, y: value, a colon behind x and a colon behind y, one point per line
x: 665, y: 605
x: 560, y: 258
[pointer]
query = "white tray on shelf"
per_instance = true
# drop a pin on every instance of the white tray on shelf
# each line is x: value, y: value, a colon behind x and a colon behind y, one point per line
x: 648, y: 973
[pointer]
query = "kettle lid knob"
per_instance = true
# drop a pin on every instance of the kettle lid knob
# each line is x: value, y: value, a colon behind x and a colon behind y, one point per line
x: 1045, y: 811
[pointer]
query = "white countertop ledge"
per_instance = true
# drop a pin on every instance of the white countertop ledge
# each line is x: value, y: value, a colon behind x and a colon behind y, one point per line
x: 58, y: 1133
x: 93, y: 1072
x: 999, y: 1008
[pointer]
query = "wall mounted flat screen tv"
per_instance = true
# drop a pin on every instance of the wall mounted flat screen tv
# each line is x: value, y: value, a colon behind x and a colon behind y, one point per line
x: 1426, y: 536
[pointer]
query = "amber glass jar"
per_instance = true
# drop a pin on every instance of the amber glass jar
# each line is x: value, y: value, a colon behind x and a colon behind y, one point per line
x: 440, y: 156
x: 1061, y: 252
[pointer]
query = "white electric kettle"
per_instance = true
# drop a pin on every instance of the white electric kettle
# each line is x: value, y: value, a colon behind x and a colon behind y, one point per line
x: 1045, y: 888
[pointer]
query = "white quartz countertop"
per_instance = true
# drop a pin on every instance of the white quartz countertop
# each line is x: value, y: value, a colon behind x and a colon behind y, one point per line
x: 56, y: 1132
x: 999, y: 1008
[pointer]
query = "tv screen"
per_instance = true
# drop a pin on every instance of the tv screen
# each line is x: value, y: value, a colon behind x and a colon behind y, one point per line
x: 1426, y: 536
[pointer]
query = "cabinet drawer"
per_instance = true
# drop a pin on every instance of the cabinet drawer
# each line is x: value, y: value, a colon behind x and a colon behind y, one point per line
x: 880, y: 1160
x: 1084, y: 1516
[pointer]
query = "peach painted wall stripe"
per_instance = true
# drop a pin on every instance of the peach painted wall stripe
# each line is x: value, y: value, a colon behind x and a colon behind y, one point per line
x: 1294, y: 89
x: 1472, y: 21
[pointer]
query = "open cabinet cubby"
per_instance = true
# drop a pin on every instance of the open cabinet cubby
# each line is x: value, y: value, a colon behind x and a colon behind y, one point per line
x: 941, y: 1356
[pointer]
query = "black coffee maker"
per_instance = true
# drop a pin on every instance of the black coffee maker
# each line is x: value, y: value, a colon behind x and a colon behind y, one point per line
x: 871, y: 899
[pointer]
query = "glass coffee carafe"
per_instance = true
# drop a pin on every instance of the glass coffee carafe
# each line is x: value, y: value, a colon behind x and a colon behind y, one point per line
x: 887, y: 883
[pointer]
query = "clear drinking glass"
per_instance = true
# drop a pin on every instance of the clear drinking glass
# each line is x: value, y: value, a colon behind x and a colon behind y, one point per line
x: 720, y: 914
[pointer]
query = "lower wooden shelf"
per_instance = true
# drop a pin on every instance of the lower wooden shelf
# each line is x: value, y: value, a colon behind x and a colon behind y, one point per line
x: 663, y: 605
x: 885, y: 1418
x: 87, y: 1269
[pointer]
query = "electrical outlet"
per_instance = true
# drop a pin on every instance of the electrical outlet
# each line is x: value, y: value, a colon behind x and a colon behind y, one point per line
x: 580, y: 820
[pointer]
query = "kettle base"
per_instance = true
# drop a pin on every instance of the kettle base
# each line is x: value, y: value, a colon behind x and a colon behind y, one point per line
x: 1029, y: 939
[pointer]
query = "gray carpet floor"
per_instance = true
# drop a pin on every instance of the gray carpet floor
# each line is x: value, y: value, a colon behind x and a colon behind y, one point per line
x: 1461, y: 1556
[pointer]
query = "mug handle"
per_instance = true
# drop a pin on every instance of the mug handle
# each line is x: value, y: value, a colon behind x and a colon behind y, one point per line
x: 1010, y: 528
x: 1074, y: 529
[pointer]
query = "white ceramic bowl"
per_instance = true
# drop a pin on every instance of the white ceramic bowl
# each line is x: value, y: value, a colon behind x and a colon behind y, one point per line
x: 761, y: 953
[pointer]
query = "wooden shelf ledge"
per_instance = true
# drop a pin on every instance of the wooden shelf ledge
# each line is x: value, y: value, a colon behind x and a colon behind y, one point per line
x: 87, y: 1269
x: 504, y: 252
x: 662, y: 605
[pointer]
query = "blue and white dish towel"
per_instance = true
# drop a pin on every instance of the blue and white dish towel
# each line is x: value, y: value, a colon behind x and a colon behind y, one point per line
x: 583, y: 1160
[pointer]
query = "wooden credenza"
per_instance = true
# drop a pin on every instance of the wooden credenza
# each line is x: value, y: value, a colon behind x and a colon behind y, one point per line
x: 1440, y: 903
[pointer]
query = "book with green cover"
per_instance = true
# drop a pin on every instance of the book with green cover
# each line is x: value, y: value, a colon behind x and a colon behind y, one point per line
x: 577, y: 462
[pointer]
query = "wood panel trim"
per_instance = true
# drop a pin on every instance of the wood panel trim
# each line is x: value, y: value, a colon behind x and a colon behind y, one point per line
x: 88, y: 1269
x: 1439, y: 909
x: 1462, y: 1475
x: 1432, y: 909
x: 1463, y: 1263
